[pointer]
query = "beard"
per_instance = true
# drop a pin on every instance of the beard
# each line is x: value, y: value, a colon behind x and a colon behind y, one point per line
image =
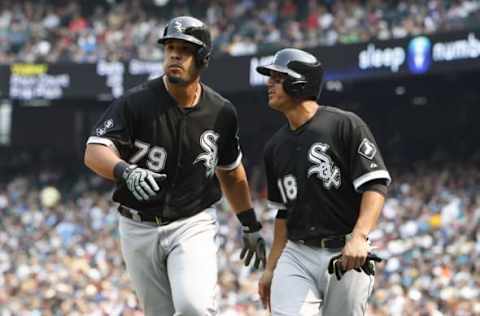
x: 176, y: 80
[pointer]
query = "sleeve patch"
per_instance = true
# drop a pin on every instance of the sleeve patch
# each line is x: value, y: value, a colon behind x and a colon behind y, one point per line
x: 367, y: 149
x: 108, y: 124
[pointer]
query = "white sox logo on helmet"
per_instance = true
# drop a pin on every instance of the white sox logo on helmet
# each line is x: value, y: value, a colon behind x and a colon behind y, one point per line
x: 323, y: 166
x: 178, y: 26
x: 208, y: 142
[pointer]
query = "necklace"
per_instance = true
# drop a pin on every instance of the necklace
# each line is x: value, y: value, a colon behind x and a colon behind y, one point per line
x: 195, y: 98
x: 197, y: 94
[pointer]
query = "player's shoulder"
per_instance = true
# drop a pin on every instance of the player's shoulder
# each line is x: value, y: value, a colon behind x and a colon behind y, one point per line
x: 147, y: 91
x: 138, y: 96
x: 340, y: 116
x: 216, y: 100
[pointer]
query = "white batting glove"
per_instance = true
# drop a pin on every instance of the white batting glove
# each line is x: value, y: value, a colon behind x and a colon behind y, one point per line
x: 141, y: 182
x: 253, y: 244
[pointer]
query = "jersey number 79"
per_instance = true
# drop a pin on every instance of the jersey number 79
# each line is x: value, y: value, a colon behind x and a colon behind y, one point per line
x: 156, y: 155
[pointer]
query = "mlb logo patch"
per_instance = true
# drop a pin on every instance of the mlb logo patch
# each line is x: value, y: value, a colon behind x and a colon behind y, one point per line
x: 100, y: 131
x: 367, y: 149
x: 106, y: 125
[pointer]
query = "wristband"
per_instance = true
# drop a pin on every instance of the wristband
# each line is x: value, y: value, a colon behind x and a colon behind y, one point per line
x: 249, y: 219
x: 282, y: 214
x: 119, y: 169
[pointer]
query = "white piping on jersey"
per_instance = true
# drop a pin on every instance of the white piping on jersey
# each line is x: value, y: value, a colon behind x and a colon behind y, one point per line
x: 276, y: 205
x: 103, y: 141
x: 233, y: 165
x: 377, y: 174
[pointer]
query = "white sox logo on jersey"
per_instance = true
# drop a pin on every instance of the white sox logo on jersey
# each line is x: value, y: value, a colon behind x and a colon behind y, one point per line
x: 323, y: 166
x: 208, y: 142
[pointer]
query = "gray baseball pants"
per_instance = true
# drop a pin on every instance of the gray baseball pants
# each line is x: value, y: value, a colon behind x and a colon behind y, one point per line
x: 173, y: 268
x: 302, y: 286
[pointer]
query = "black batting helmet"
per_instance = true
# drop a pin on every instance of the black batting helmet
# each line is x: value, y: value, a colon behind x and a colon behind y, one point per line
x: 191, y: 30
x: 304, y: 72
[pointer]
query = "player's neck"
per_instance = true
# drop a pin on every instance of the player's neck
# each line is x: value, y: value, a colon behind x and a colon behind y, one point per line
x: 301, y: 113
x: 187, y: 96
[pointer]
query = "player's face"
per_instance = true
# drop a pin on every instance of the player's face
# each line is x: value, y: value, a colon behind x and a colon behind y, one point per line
x: 179, y: 61
x: 278, y: 99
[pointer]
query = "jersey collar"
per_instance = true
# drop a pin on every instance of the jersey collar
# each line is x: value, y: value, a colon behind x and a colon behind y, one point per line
x: 302, y: 127
x: 162, y: 90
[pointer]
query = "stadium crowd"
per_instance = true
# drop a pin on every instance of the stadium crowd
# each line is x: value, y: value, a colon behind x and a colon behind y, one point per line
x: 60, y: 255
x: 63, y: 31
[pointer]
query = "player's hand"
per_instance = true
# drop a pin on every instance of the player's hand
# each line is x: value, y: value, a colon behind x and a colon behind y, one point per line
x: 264, y: 285
x: 334, y: 267
x: 142, y: 182
x: 253, y: 244
x: 368, y: 267
x: 354, y: 252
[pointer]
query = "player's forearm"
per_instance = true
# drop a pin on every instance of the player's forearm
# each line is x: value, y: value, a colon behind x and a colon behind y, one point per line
x: 279, y: 242
x: 370, y: 209
x: 101, y: 160
x: 234, y: 185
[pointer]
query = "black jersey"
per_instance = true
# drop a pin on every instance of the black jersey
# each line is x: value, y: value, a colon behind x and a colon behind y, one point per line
x: 147, y: 128
x: 316, y: 172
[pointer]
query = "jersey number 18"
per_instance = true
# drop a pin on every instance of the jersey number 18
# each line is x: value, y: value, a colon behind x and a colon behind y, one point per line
x: 288, y: 188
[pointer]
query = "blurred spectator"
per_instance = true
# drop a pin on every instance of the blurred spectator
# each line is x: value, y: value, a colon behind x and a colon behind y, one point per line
x: 59, y: 252
x: 121, y: 30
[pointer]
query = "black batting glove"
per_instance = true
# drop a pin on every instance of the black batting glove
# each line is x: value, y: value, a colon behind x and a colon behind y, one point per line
x: 141, y: 182
x: 368, y: 266
x: 253, y: 244
x: 334, y: 266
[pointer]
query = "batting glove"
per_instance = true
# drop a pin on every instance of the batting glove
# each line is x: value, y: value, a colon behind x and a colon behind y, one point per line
x: 142, y: 182
x: 253, y: 244
x: 368, y: 266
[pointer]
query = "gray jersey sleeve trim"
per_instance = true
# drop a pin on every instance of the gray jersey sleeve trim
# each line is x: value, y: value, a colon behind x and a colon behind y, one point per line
x: 103, y: 141
x: 378, y: 174
x: 233, y: 165
x: 276, y: 205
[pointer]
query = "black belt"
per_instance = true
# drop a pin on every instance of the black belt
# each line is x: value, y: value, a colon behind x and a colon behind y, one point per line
x: 328, y: 242
x: 142, y: 217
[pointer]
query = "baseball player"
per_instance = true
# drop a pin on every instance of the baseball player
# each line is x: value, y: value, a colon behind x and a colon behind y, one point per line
x: 328, y: 181
x: 170, y: 144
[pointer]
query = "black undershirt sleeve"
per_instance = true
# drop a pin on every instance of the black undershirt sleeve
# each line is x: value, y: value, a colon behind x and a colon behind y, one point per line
x: 377, y: 185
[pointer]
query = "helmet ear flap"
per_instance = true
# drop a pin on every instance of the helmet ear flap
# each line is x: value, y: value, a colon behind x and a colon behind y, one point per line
x: 202, y: 56
x: 312, y: 80
x: 203, y: 51
x: 294, y: 87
